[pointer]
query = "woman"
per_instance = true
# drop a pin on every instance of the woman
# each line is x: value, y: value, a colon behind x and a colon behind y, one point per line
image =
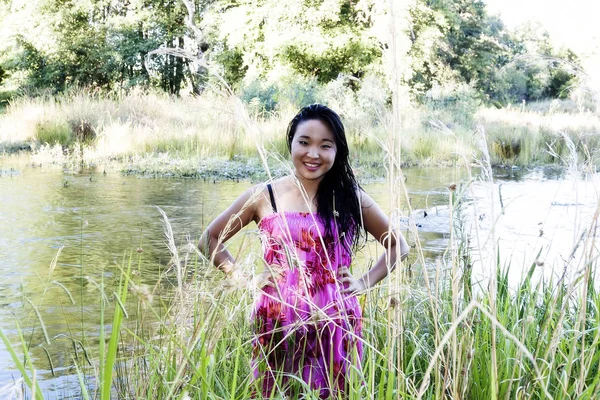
x: 307, y: 319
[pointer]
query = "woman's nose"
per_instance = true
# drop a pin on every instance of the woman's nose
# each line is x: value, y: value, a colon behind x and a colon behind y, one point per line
x: 313, y: 152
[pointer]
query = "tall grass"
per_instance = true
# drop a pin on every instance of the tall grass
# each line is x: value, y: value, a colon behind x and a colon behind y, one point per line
x: 420, y: 342
x: 143, y: 125
x: 429, y: 332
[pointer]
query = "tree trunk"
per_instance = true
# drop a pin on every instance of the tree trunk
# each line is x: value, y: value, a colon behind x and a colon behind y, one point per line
x: 143, y: 54
x: 178, y: 70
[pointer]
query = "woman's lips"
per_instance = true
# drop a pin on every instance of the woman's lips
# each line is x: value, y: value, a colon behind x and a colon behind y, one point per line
x: 312, y: 166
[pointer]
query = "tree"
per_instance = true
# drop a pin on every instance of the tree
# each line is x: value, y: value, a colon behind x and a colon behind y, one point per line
x: 268, y: 39
x: 536, y: 70
x: 117, y: 44
x: 456, y: 40
x: 98, y: 44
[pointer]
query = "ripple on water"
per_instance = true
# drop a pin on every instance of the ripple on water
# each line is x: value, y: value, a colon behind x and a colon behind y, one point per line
x: 102, y: 221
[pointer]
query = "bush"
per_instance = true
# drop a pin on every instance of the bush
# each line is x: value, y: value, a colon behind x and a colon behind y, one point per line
x: 452, y: 103
x: 261, y: 98
x: 83, y: 131
x: 299, y: 92
x: 5, y: 97
x: 294, y: 91
x: 361, y: 103
x: 54, y: 132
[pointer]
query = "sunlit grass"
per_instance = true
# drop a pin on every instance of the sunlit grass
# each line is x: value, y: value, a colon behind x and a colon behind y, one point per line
x: 429, y: 331
x: 523, y: 137
x: 422, y: 340
x: 207, y: 126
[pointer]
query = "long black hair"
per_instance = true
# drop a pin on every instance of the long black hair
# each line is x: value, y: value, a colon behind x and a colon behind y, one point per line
x: 338, y: 190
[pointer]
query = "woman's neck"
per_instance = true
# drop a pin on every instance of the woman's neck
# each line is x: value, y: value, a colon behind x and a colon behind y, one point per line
x: 310, y: 187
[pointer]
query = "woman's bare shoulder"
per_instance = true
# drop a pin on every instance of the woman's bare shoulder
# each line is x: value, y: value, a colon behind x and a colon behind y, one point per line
x: 259, y: 197
x: 366, y: 201
x: 281, y: 184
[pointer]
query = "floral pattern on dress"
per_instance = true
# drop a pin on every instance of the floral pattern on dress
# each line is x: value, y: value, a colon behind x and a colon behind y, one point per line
x: 304, y: 326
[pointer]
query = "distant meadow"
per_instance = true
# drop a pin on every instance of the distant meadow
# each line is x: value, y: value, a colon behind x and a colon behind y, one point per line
x: 156, y: 134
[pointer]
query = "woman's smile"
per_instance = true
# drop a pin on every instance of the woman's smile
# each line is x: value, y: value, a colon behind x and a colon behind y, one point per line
x: 312, y: 166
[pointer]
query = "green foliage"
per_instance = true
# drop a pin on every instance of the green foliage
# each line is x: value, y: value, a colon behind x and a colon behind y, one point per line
x: 260, y: 97
x: 452, y: 104
x: 299, y: 92
x: 114, y: 47
x: 560, y: 83
x: 234, y: 69
x: 88, y: 44
x: 325, y: 66
x: 55, y: 132
x: 5, y: 97
x: 533, y: 78
x: 313, y: 39
x: 457, y: 42
x: 25, y: 368
x: 108, y: 361
x: 293, y: 91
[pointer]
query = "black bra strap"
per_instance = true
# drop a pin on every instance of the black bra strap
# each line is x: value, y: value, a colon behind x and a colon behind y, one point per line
x: 272, y: 197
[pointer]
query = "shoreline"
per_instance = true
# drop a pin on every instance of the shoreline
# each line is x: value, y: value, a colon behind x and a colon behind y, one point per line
x: 216, y: 169
x: 162, y: 165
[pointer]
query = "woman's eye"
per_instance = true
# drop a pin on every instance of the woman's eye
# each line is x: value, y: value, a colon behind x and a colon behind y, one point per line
x: 326, y: 146
x: 303, y: 142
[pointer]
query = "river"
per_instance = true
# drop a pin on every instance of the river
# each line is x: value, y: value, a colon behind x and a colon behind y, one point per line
x: 97, y: 220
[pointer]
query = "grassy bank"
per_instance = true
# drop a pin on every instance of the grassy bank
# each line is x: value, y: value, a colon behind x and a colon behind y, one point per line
x: 157, y: 135
x: 427, y: 333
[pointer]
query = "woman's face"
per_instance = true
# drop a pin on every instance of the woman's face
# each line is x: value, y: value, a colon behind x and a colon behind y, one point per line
x: 313, y: 150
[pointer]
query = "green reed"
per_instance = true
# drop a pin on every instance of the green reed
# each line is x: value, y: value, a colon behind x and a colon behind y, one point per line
x: 432, y: 339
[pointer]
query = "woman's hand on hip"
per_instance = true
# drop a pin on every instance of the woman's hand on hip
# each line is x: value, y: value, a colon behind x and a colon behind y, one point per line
x: 350, y: 284
x: 269, y: 277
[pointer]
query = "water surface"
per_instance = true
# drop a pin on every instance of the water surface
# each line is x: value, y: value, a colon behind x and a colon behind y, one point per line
x: 99, y: 220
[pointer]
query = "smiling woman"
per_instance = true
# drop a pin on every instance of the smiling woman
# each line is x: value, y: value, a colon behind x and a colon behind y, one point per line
x: 306, y: 317
x: 313, y: 150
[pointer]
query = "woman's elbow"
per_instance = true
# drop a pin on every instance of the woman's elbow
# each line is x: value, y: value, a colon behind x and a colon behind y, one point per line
x: 204, y: 243
x: 403, y: 248
x: 404, y: 254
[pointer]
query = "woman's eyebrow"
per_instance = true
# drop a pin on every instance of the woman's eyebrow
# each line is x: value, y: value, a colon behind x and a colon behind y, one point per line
x: 309, y: 137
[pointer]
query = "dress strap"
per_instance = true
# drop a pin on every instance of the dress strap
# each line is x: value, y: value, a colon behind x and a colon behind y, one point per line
x: 272, y: 197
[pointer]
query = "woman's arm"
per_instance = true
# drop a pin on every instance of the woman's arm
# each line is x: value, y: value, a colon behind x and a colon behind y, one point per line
x: 377, y: 224
x: 227, y: 224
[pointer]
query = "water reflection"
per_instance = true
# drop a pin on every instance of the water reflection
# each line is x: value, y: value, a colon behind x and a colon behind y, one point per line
x: 541, y: 221
x: 100, y: 220
x: 518, y: 174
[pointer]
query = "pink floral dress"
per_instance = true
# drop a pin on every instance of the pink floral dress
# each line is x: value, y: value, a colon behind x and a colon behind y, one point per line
x: 304, y: 326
